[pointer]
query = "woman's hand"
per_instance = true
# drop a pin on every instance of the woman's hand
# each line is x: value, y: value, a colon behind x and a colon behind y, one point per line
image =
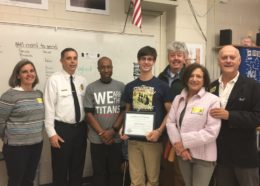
x: 178, y: 147
x: 186, y: 155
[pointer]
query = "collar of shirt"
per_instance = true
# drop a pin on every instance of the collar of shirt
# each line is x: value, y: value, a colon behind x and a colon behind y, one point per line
x: 67, y: 75
x: 184, y: 93
x: 224, y: 92
x: 172, y: 76
x: 232, y: 81
x: 170, y: 73
x: 20, y: 88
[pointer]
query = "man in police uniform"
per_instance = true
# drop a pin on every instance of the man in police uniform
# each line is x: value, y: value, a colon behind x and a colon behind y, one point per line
x: 64, y: 121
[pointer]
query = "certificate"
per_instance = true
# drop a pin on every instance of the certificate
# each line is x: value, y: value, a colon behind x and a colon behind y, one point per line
x: 138, y: 124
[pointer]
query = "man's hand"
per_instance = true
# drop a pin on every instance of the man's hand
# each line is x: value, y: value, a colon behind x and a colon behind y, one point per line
x: 107, y: 136
x: 55, y: 141
x: 219, y: 113
x: 153, y: 136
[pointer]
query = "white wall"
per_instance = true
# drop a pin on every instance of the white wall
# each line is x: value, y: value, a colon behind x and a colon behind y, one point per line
x: 243, y: 17
x: 177, y: 23
x: 57, y: 16
x: 181, y: 25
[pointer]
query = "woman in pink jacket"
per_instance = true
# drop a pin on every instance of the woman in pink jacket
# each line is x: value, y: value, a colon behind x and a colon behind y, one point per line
x: 191, y: 129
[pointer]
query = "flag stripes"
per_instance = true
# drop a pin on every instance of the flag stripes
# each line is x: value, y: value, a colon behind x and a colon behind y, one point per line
x: 137, y: 13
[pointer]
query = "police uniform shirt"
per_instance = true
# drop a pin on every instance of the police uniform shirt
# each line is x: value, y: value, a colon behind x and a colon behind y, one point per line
x: 58, y: 99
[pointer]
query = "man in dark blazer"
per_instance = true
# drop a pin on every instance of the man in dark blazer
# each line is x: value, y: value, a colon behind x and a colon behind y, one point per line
x: 237, y: 161
x: 170, y: 174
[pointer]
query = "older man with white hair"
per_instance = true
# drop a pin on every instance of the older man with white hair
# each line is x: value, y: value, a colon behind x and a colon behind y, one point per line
x: 237, y: 159
x: 178, y: 58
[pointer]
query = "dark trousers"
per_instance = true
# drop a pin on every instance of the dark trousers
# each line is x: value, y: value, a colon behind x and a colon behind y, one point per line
x: 106, y: 162
x: 170, y: 174
x: 229, y: 176
x: 22, y: 163
x: 68, y: 161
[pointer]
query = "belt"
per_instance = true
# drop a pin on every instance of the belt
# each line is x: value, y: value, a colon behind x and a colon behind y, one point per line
x: 68, y: 124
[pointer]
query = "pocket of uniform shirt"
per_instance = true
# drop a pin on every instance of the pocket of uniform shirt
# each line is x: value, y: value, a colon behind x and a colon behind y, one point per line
x: 81, y: 93
x: 65, y: 92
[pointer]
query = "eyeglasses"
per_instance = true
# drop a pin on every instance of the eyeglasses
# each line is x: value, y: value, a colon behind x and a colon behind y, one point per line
x: 144, y: 58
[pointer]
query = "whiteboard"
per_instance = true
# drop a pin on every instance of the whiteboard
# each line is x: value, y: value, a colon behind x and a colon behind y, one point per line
x: 42, y: 45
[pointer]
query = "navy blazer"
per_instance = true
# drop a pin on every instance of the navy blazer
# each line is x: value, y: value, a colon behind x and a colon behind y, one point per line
x: 236, y: 143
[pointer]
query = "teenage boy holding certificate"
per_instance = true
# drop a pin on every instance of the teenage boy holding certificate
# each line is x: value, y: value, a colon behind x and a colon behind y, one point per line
x: 146, y: 97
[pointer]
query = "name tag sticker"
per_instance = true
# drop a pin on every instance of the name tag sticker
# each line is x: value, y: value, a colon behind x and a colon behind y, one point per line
x: 197, y: 110
x: 39, y: 100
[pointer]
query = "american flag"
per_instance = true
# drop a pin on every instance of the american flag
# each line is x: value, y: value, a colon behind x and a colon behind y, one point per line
x: 137, y: 13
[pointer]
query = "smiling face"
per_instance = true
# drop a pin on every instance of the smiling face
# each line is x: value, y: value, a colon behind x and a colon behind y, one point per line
x: 196, y: 81
x: 229, y: 61
x: 146, y: 63
x: 27, y: 76
x: 70, y: 62
x: 176, y: 60
x: 105, y: 69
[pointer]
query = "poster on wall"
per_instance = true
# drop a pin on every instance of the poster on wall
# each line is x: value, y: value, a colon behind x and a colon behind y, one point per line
x: 250, y: 62
x: 38, y: 4
x: 196, y: 53
x: 88, y: 6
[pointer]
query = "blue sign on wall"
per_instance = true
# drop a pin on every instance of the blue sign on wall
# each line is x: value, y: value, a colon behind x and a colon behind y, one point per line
x: 250, y: 62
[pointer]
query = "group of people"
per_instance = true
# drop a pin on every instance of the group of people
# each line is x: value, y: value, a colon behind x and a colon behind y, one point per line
x: 209, y: 127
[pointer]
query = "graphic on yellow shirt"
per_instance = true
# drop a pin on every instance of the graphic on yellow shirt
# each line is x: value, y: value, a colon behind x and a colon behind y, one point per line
x: 143, y: 98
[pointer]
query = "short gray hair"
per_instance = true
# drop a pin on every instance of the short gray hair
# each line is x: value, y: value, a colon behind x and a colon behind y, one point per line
x: 177, y: 46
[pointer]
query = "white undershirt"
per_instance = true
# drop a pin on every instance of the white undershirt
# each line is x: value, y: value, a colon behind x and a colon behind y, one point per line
x: 224, y: 92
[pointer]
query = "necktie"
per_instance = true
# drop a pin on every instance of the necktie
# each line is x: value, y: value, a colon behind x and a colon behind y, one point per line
x: 76, y: 101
